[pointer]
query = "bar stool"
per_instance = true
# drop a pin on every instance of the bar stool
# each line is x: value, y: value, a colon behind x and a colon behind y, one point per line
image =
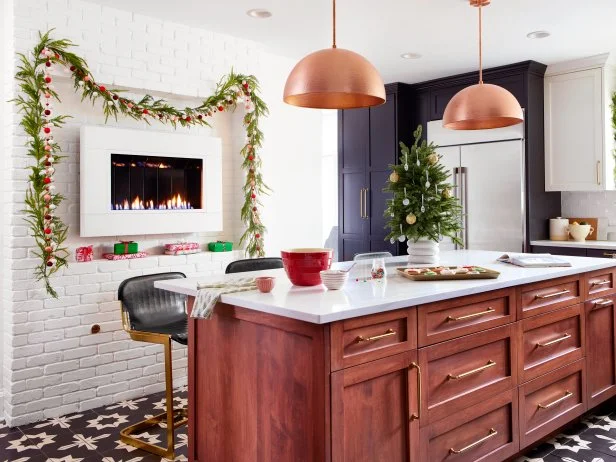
x: 155, y: 316
x: 253, y: 264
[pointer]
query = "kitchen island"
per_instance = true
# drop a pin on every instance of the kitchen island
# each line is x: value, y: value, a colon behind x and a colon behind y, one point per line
x: 401, y: 370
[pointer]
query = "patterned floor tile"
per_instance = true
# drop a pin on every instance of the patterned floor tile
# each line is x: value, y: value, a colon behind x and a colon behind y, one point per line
x: 18, y: 447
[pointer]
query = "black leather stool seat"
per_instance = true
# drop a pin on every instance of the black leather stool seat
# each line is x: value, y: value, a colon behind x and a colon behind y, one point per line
x: 254, y: 264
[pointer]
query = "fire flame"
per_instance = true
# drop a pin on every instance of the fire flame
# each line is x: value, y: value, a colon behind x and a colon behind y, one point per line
x: 176, y: 202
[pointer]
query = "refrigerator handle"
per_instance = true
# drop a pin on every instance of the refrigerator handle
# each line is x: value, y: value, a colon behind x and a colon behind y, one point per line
x: 464, y: 201
x: 456, y: 192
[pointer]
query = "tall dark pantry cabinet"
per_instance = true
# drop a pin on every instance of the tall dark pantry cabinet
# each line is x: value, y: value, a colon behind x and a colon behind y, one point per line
x: 367, y: 144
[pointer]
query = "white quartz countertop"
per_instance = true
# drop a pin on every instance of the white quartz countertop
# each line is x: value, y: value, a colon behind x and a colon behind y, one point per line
x: 581, y: 245
x: 359, y: 298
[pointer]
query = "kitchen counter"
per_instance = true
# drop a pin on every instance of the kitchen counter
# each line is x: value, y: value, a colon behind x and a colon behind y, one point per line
x: 611, y: 245
x: 358, y: 298
x: 401, y: 370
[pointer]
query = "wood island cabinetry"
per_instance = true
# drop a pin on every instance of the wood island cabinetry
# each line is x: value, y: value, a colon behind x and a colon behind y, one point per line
x: 474, y: 378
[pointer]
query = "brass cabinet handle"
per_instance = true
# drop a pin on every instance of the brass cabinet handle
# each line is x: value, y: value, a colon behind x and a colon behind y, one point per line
x: 604, y: 302
x: 361, y: 203
x: 472, y: 372
x: 607, y: 254
x: 366, y: 203
x: 568, y: 395
x: 387, y: 333
x: 555, y: 341
x: 472, y: 315
x: 598, y: 172
x: 599, y: 283
x: 417, y: 416
x: 555, y: 294
x: 491, y: 434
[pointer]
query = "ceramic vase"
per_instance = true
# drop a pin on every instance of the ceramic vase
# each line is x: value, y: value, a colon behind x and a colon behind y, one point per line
x: 423, y: 251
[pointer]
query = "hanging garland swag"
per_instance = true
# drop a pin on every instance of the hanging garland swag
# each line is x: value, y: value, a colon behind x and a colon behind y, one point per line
x: 39, y: 122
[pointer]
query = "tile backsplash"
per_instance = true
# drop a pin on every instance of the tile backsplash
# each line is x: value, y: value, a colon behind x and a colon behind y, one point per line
x: 592, y: 204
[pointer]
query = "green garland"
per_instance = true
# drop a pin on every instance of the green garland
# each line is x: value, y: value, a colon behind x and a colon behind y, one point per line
x: 39, y: 122
x: 422, y: 204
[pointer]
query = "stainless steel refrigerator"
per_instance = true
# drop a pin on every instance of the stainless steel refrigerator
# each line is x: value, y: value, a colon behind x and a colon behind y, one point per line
x: 487, y: 172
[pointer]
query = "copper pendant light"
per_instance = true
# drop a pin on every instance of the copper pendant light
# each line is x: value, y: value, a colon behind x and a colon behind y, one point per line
x: 482, y: 106
x: 334, y: 78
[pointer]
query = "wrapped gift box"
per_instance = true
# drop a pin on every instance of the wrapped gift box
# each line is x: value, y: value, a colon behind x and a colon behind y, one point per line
x: 125, y: 247
x: 83, y: 254
x: 220, y: 246
x: 181, y: 246
x: 127, y: 256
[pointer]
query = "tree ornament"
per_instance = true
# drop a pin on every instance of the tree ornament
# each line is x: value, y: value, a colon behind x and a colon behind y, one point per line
x: 257, y: 235
x: 405, y: 201
x: 47, y: 79
x: 423, y: 208
x: 446, y: 193
x: 47, y: 130
x: 115, y: 97
x: 221, y: 108
x: 394, y: 177
x: 411, y: 219
x: 48, y: 64
x: 402, y: 237
x: 86, y: 78
x: 432, y: 159
x: 102, y: 89
x: 427, y: 180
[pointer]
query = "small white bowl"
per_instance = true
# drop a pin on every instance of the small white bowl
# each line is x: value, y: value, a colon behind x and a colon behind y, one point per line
x: 334, y: 279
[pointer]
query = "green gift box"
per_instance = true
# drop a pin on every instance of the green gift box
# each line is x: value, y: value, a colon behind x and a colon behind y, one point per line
x: 220, y: 246
x: 125, y: 247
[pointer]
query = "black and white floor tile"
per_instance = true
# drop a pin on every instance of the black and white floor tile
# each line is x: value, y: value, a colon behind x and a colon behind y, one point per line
x: 93, y: 436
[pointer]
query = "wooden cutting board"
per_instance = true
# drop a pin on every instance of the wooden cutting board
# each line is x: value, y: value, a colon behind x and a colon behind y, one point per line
x: 594, y: 222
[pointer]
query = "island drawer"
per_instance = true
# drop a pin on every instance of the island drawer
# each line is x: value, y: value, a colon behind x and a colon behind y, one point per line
x: 550, y: 341
x: 359, y: 340
x: 485, y: 432
x: 449, y: 319
x: 551, y: 401
x: 545, y: 296
x: 460, y: 373
x: 599, y: 283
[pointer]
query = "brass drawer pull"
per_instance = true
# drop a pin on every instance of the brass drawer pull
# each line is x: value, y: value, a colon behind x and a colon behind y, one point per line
x: 474, y: 371
x: 611, y: 255
x: 388, y: 333
x: 555, y: 341
x: 472, y: 315
x: 417, y: 416
x: 555, y: 294
x: 568, y: 395
x: 599, y: 283
x: 492, y: 434
x: 604, y: 302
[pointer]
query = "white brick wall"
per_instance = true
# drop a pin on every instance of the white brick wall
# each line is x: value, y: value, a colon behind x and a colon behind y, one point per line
x: 52, y: 364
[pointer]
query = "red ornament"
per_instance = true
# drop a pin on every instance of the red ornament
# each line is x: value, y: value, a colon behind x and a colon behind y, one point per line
x: 47, y: 130
x: 48, y: 64
x: 72, y: 68
x: 48, y: 217
x: 254, y: 196
x: 188, y: 118
x: 86, y: 78
x: 257, y: 235
x: 47, y: 230
x: 102, y: 88
x: 47, y: 112
x: 146, y: 112
x: 48, y: 249
x: 258, y: 248
x: 221, y: 108
x: 47, y: 180
x: 251, y: 158
x: 115, y: 97
x: 47, y: 164
x: 50, y: 263
x: 200, y: 117
x: 254, y: 209
x: 47, y: 79
x: 245, y: 85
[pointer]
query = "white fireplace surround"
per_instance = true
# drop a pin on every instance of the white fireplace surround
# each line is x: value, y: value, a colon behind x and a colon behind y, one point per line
x: 96, y: 216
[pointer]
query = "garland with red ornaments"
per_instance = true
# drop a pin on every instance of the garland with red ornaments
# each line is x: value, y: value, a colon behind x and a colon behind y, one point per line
x: 36, y: 74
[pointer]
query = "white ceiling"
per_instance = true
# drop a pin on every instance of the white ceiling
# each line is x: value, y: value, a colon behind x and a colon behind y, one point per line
x: 443, y: 31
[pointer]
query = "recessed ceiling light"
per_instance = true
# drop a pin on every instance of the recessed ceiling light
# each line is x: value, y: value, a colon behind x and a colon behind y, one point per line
x: 410, y: 55
x: 538, y: 34
x: 259, y: 13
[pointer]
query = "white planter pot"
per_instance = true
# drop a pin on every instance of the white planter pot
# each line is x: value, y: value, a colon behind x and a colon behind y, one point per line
x: 423, y: 251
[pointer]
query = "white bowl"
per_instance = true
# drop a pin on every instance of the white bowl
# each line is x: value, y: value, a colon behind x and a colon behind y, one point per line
x: 334, y: 279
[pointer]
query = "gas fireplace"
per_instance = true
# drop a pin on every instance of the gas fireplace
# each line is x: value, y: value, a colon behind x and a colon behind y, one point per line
x: 136, y: 182
x: 155, y: 183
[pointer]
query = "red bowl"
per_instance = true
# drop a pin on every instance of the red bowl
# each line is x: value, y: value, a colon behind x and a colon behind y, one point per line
x: 304, y: 265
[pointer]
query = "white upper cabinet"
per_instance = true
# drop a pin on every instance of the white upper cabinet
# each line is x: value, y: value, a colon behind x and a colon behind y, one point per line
x: 579, y: 139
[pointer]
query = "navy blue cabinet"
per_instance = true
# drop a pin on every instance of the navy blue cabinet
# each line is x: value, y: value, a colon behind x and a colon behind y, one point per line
x: 367, y: 145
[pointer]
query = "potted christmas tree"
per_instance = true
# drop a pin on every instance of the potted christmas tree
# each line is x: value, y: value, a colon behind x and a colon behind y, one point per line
x: 423, y: 208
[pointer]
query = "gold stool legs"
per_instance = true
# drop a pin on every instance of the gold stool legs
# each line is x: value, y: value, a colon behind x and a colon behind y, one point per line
x: 174, y: 418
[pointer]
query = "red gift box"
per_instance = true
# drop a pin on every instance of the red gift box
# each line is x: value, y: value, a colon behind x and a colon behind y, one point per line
x: 83, y: 254
x: 181, y: 246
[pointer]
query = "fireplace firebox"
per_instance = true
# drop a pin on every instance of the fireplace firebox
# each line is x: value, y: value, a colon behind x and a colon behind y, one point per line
x: 141, y: 182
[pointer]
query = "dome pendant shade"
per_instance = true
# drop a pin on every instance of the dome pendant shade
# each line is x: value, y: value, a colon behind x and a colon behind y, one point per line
x: 482, y: 106
x: 334, y: 78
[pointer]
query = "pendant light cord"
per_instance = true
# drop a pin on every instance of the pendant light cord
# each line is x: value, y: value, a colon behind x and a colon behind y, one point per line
x: 480, y: 45
x: 334, y: 23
